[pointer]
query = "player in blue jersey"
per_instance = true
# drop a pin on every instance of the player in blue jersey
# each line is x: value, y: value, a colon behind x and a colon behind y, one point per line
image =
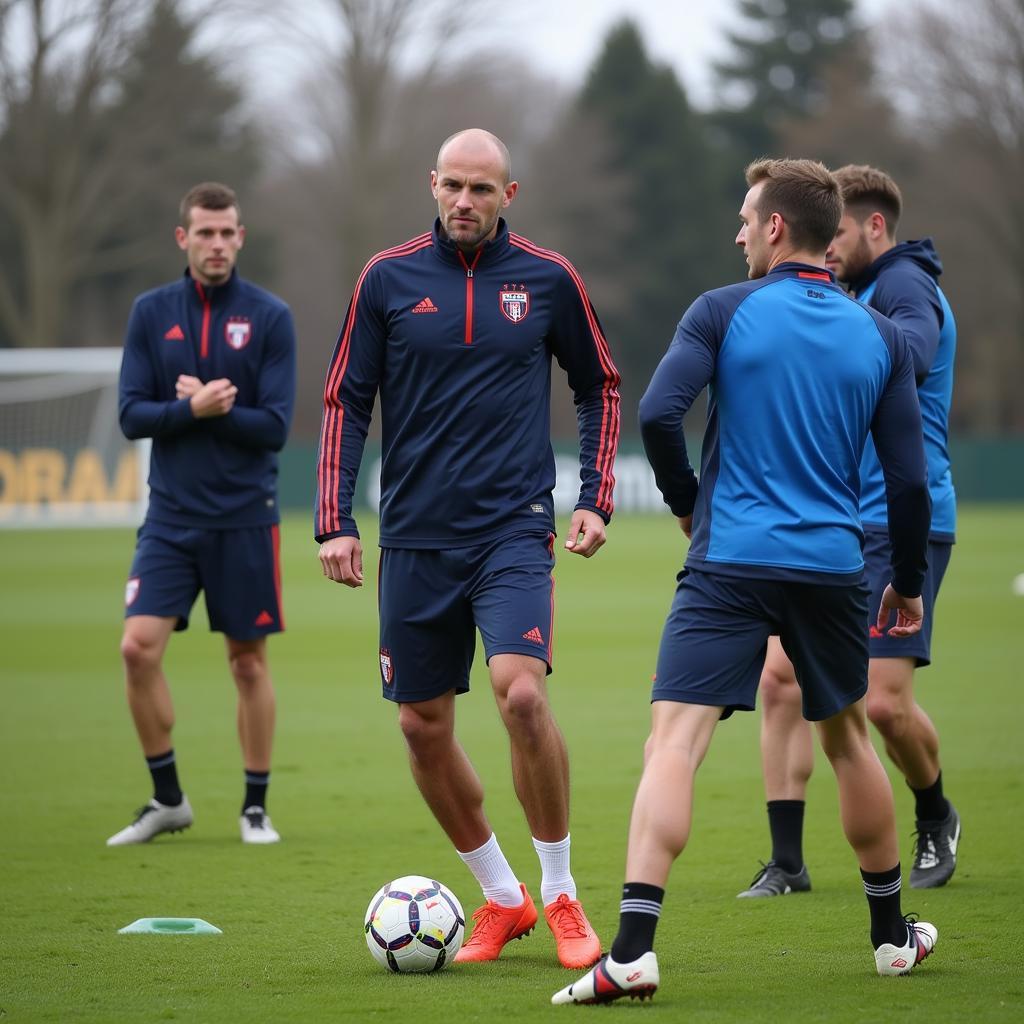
x: 900, y: 281
x: 209, y: 374
x: 456, y: 331
x: 799, y: 375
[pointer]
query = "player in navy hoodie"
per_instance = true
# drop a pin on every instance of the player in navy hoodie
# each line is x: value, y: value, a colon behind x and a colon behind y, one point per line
x: 900, y: 280
x: 456, y: 330
x: 209, y: 374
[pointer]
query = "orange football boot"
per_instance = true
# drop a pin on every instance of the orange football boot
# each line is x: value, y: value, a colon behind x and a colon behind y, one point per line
x: 575, y: 939
x: 494, y: 926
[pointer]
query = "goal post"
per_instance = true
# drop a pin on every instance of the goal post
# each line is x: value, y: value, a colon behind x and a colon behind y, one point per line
x: 63, y: 458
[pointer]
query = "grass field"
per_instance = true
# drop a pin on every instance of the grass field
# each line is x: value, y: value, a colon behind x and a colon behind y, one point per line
x: 293, y: 949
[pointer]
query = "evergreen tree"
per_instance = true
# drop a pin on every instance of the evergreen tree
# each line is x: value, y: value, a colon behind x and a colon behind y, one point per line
x: 778, y: 71
x: 676, y: 238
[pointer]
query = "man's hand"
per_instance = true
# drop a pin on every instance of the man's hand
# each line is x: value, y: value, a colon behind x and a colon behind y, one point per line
x: 686, y: 525
x: 214, y: 398
x: 341, y: 559
x: 186, y: 386
x: 909, y: 613
x: 586, y: 533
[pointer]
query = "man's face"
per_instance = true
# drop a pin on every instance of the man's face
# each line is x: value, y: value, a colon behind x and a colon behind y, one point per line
x: 470, y: 188
x: 849, y: 253
x: 753, y: 234
x: 211, y: 242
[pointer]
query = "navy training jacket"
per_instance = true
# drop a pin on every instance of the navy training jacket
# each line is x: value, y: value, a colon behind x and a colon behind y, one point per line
x: 902, y: 284
x: 461, y: 355
x: 799, y: 373
x: 219, y: 472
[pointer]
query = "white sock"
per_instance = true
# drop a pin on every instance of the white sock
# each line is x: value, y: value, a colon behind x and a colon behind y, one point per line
x: 556, y: 877
x: 494, y: 874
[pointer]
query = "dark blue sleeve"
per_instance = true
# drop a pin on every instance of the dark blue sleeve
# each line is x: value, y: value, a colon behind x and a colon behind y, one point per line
x: 682, y: 374
x: 896, y: 430
x: 140, y: 411
x: 265, y: 424
x: 579, y: 345
x: 907, y: 296
x: 353, y: 378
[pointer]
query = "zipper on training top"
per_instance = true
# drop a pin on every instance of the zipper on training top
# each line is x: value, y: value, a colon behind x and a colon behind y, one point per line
x: 204, y: 344
x: 469, y: 292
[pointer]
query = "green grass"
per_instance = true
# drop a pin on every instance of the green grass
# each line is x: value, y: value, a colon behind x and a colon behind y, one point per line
x: 292, y: 948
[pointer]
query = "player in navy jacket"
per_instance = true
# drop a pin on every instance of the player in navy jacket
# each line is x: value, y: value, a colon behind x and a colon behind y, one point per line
x: 900, y: 281
x: 799, y: 374
x: 209, y: 374
x: 456, y: 330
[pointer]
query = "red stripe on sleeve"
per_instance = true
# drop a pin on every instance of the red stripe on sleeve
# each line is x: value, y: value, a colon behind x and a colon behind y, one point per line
x: 607, y: 443
x: 329, y: 462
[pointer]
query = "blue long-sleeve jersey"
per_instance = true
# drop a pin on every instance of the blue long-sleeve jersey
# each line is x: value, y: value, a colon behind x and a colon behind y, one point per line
x: 461, y: 355
x: 799, y: 373
x: 219, y: 472
x: 902, y: 284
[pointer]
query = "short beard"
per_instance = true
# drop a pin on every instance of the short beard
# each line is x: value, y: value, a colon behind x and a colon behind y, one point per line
x: 856, y: 263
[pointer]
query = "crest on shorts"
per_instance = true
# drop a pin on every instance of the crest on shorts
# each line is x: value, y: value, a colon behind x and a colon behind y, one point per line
x: 237, y: 332
x: 387, y: 669
x: 515, y: 302
x: 131, y: 590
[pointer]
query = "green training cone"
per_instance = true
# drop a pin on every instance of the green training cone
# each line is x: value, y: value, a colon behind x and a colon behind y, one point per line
x: 170, y: 926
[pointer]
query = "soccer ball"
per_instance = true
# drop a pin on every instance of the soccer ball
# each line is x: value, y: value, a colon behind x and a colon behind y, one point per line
x: 414, y: 924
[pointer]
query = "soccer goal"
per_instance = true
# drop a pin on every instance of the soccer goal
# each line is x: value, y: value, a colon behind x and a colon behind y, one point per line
x: 63, y: 459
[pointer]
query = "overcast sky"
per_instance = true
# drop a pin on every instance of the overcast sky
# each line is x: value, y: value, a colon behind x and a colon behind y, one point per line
x: 566, y: 37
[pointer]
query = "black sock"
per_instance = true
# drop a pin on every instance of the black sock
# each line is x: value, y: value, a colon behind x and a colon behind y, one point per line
x: 930, y: 804
x: 883, y: 892
x: 786, y: 822
x: 164, y: 770
x: 256, y: 789
x: 638, y: 917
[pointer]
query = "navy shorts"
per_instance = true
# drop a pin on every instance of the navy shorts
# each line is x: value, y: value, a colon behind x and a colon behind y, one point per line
x: 238, y: 570
x: 433, y: 601
x: 878, y: 574
x: 716, y: 635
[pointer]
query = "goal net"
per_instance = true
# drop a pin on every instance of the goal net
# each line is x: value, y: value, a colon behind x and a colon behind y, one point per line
x: 63, y: 459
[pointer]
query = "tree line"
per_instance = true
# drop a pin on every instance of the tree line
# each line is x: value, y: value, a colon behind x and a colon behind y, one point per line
x: 110, y: 109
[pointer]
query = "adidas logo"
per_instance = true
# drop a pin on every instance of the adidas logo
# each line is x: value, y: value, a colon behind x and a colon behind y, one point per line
x: 424, y: 306
x: 174, y: 334
x: 534, y: 635
x: 264, y: 619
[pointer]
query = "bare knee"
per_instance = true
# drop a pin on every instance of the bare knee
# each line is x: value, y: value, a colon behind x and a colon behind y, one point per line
x: 422, y: 733
x: 248, y: 668
x: 887, y: 714
x: 778, y: 691
x: 140, y: 655
x: 524, y: 709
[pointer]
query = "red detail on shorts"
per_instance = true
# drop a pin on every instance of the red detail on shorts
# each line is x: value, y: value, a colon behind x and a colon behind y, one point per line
x: 534, y: 636
x: 875, y: 633
x: 264, y: 619
x: 814, y: 277
x: 275, y: 540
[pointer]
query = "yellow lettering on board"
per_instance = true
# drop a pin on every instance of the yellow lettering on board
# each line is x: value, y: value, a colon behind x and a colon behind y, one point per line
x: 8, y: 478
x: 43, y: 471
x: 88, y: 481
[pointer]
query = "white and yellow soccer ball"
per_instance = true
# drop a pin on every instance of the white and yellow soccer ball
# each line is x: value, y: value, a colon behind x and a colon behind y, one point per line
x: 414, y: 924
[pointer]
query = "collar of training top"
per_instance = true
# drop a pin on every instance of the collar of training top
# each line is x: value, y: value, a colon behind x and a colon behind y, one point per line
x: 449, y: 251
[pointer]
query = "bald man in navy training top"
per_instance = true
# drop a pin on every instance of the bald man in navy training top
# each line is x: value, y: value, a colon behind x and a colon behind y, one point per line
x: 456, y: 330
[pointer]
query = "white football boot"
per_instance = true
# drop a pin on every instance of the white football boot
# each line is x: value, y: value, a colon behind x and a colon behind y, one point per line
x: 153, y: 819
x: 256, y: 827
x: 607, y: 980
x: 891, y: 960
